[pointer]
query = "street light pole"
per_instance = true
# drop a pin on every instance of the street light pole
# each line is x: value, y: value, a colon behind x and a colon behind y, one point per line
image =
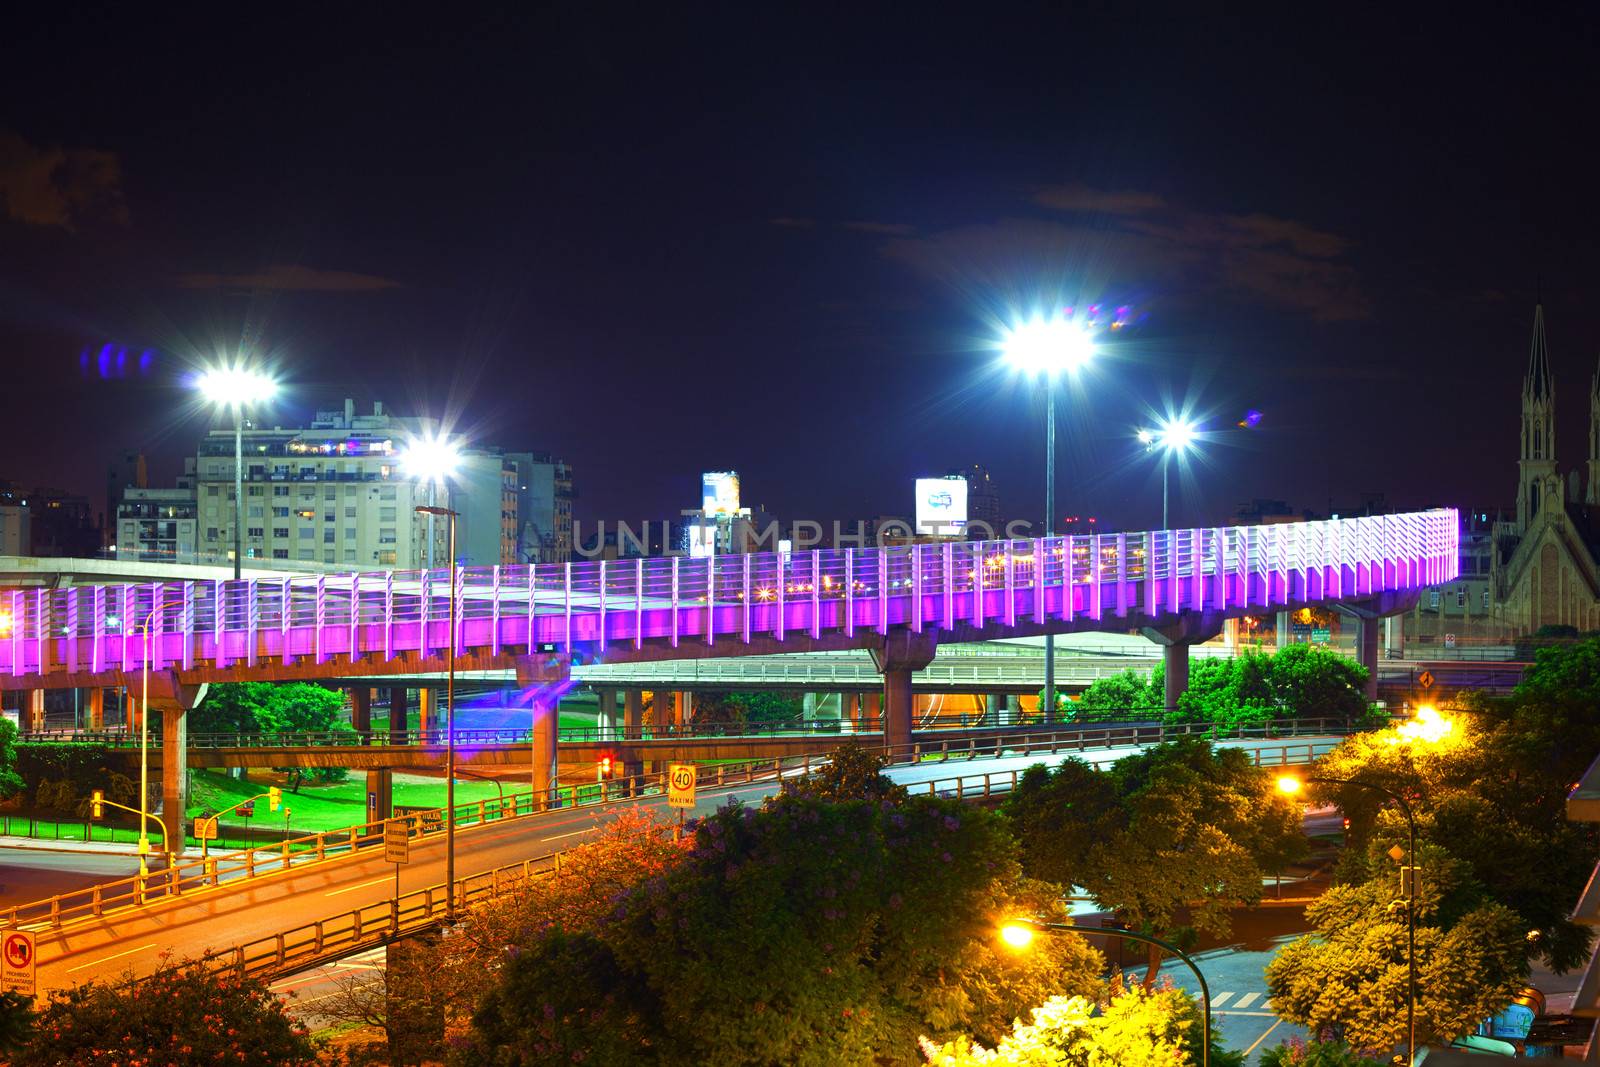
x: 144, y: 743
x: 1409, y: 880
x: 1049, y: 532
x: 1018, y: 932
x: 1166, y: 466
x: 238, y: 491
x: 449, y: 715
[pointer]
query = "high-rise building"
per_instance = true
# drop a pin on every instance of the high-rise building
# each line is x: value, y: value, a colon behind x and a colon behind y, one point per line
x: 544, y: 507
x: 62, y: 524
x: 127, y: 470
x: 983, y: 499
x: 156, y: 525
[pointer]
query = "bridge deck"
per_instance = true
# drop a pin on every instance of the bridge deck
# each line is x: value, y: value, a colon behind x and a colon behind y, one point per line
x: 393, y: 622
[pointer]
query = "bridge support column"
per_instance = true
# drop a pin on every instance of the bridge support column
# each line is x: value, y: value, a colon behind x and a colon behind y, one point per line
x: 546, y: 677
x: 873, y: 714
x: 608, y: 714
x: 94, y: 709
x: 1370, y: 614
x: 380, y: 795
x: 361, y: 712
x: 1281, y: 629
x: 899, y: 658
x: 632, y: 720
x: 33, y: 710
x: 849, y: 712
x: 686, y: 706
x: 1175, y: 639
x: 427, y: 709
x: 399, y: 714
x: 174, y: 700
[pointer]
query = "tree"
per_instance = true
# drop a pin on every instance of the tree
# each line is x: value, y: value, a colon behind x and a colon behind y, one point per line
x: 1313, y: 682
x: 1349, y: 977
x: 10, y: 781
x: 853, y: 772
x: 230, y: 708
x: 804, y: 932
x: 181, y: 1013
x: 1129, y: 695
x: 1301, y: 1053
x: 1124, y: 1025
x: 1181, y: 829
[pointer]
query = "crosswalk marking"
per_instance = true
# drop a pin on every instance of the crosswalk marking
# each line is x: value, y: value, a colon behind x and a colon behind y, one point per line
x: 1219, y: 1000
x: 1246, y: 1000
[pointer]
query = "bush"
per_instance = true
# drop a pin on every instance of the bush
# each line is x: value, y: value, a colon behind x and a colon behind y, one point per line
x: 182, y: 1013
x: 1299, y: 1053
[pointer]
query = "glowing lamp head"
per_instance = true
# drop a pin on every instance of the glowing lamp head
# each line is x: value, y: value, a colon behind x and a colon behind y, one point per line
x: 431, y: 459
x: 1047, y: 346
x: 1173, y: 435
x: 1017, y: 935
x: 235, y: 386
x: 1289, y: 786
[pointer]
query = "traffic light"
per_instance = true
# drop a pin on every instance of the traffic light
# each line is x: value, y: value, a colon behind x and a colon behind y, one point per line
x: 96, y: 804
x: 605, y: 766
x: 274, y: 798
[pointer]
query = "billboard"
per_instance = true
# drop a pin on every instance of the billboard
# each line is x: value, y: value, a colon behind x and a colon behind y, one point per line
x: 941, y: 506
x: 703, y: 539
x: 719, y: 493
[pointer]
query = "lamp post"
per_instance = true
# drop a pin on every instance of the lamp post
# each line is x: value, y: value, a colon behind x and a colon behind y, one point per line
x: 144, y: 744
x: 449, y: 719
x: 1173, y: 436
x: 234, y: 387
x: 1047, y: 347
x: 1290, y: 785
x: 1018, y: 933
x: 432, y: 459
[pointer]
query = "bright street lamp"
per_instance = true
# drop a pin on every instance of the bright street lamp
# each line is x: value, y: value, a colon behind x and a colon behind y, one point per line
x: 1018, y: 934
x: 1048, y: 347
x: 1410, y: 874
x: 449, y: 720
x: 235, y: 387
x: 1172, y: 437
x: 432, y: 459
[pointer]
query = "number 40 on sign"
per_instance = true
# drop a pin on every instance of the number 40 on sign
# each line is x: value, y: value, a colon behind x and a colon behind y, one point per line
x: 681, y: 778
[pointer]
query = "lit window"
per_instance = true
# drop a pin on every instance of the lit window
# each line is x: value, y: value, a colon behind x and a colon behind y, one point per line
x: 1433, y: 598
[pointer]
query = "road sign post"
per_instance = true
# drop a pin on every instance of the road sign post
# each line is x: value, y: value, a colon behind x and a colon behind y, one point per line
x: 397, y: 847
x: 18, y: 963
x: 681, y: 781
x: 205, y: 831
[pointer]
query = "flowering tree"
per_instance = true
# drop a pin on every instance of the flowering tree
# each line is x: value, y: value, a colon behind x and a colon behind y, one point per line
x: 182, y: 1013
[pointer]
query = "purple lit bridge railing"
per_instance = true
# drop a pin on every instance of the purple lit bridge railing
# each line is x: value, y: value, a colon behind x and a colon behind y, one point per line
x: 389, y: 622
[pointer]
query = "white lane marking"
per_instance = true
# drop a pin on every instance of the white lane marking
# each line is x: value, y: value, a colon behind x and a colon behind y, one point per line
x: 363, y: 885
x: 559, y: 837
x: 1219, y: 1000
x: 1263, y: 1037
x: 108, y: 959
x: 1246, y: 1000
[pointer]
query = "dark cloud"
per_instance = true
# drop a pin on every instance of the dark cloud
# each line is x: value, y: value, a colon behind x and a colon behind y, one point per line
x: 882, y: 229
x: 793, y: 223
x: 1129, y: 241
x: 291, y: 277
x: 59, y: 186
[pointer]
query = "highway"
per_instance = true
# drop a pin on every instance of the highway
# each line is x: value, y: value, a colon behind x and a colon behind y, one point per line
x: 135, y: 939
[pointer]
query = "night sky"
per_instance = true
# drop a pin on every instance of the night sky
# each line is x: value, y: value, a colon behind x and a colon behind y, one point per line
x: 782, y: 242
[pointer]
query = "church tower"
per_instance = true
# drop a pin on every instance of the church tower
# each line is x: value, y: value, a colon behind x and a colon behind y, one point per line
x: 1538, y: 461
x: 1593, y: 495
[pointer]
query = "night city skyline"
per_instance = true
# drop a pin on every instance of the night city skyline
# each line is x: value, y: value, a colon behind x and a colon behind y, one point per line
x: 784, y: 261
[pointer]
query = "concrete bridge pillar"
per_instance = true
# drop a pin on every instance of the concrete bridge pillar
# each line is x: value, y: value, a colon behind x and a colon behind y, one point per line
x: 33, y: 710
x: 380, y: 795
x: 361, y: 712
x: 546, y: 678
x: 173, y: 700
x: 428, y: 709
x: 632, y: 719
x: 873, y: 715
x: 1280, y: 628
x: 1000, y: 709
x: 1175, y: 639
x: 899, y: 657
x: 686, y: 706
x: 849, y: 712
x: 1370, y: 614
x: 94, y: 709
x: 399, y: 714
x: 608, y: 713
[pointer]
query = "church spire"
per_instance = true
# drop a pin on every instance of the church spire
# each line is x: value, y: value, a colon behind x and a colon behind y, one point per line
x: 1538, y: 384
x: 1537, y: 465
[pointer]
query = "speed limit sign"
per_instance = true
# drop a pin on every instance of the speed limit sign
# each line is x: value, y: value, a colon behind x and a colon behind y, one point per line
x: 681, y: 779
